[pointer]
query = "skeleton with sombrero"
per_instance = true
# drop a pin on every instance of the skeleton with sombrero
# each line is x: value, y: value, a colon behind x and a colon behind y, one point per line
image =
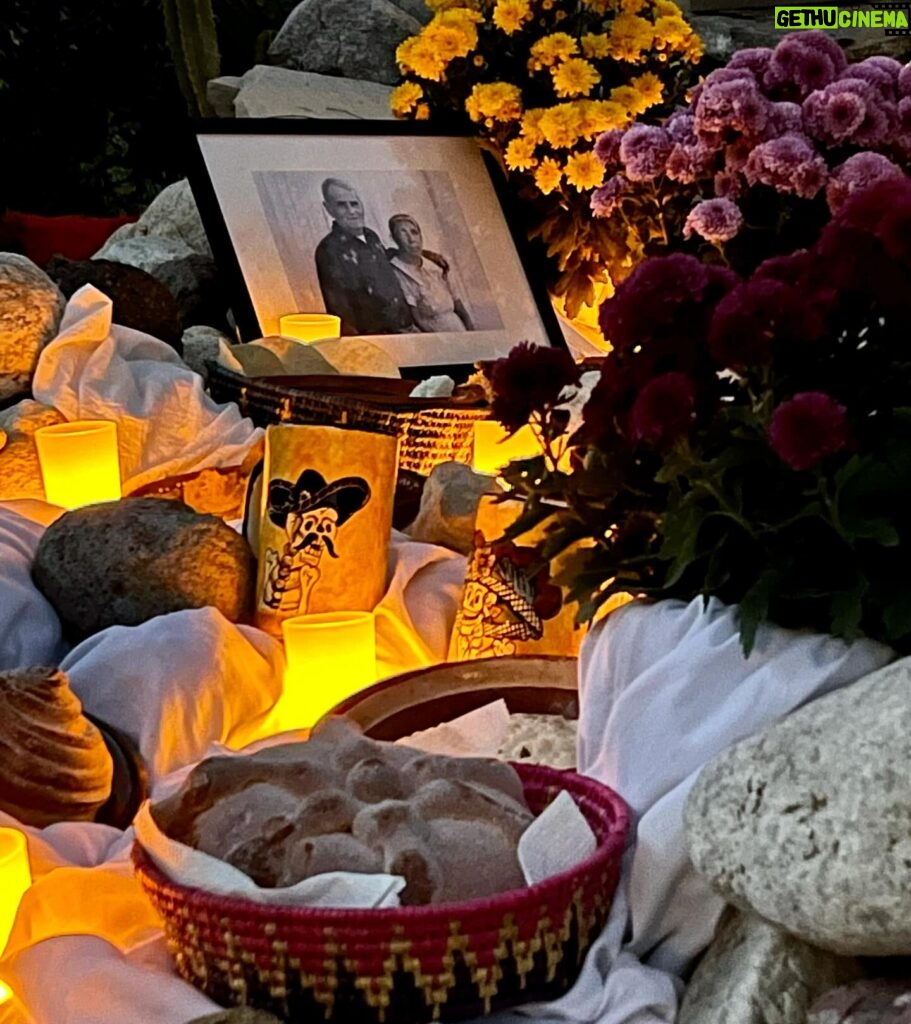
x: 310, y: 512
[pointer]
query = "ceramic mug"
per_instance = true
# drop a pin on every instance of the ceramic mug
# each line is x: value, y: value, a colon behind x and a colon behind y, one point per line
x: 319, y: 517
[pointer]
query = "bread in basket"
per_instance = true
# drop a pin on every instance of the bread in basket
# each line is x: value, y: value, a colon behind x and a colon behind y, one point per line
x: 404, y: 965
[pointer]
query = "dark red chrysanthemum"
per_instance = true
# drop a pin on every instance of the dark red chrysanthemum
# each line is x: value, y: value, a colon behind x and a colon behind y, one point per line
x: 529, y: 380
x: 663, y: 410
x: 807, y: 428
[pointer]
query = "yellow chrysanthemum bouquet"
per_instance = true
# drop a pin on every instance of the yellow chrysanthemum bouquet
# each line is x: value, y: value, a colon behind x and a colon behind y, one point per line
x: 541, y: 80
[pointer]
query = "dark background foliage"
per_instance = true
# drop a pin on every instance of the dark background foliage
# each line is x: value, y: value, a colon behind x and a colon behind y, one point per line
x: 90, y: 108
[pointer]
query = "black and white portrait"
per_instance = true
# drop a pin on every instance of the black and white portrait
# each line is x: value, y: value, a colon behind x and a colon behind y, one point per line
x: 388, y: 253
x: 402, y: 237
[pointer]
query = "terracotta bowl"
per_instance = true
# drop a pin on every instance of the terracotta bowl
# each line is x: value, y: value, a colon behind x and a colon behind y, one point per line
x: 404, y: 704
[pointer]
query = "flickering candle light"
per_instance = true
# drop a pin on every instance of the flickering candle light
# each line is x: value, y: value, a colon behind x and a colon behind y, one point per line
x: 329, y: 656
x: 15, y: 878
x: 309, y: 327
x: 79, y: 462
x: 494, y: 447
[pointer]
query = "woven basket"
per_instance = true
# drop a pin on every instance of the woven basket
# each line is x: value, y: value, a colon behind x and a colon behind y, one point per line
x: 431, y: 430
x: 406, y: 965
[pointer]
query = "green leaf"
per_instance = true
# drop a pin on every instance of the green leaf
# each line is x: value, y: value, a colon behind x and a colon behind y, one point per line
x: 897, y: 617
x: 754, y: 609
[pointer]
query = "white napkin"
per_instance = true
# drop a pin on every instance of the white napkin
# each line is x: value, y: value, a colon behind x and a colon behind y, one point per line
x: 166, y: 424
x: 556, y: 841
x: 479, y: 733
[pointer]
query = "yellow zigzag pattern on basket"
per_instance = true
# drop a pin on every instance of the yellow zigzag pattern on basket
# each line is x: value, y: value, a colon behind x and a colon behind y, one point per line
x: 190, y: 957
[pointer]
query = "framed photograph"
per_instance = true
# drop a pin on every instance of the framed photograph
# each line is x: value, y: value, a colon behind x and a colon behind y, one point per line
x: 402, y: 230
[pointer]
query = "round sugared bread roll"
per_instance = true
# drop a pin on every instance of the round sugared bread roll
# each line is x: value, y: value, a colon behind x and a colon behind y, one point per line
x: 56, y: 766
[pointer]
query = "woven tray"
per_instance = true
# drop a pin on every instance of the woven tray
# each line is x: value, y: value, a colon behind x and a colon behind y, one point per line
x: 431, y: 430
x: 406, y: 965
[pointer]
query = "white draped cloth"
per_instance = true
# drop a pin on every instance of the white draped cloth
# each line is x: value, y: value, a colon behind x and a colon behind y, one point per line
x: 663, y: 690
x: 166, y: 424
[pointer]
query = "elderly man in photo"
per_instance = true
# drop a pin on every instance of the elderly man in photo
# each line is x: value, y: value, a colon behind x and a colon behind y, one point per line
x: 357, y: 281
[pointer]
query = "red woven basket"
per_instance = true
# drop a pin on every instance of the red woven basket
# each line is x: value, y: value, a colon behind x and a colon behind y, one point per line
x: 403, y: 965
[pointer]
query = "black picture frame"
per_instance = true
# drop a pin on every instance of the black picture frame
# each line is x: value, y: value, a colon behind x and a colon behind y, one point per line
x: 249, y: 177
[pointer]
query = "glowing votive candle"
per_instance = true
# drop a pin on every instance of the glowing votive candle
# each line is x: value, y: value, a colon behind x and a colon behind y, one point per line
x: 493, y: 447
x: 309, y: 327
x: 15, y: 878
x: 329, y: 656
x: 79, y: 462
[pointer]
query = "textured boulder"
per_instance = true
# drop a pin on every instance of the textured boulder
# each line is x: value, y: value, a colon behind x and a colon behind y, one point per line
x: 56, y: 765
x: 140, y: 300
x: 172, y: 214
x: 449, y: 507
x: 875, y: 1001
x: 122, y: 563
x: 754, y: 973
x: 31, y: 307
x: 280, y: 92
x: 200, y: 346
x: 809, y: 822
x: 337, y: 37
x: 20, y: 472
x: 197, y: 288
x: 147, y: 252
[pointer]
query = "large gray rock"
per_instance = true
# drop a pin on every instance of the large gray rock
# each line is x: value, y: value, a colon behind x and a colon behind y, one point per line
x: 20, y: 472
x: 196, y: 286
x: 281, y: 92
x: 338, y: 37
x: 875, y: 1001
x: 147, y: 252
x: 140, y: 300
x: 416, y: 8
x: 449, y: 507
x: 754, y: 973
x: 31, y: 307
x: 171, y: 214
x: 809, y: 822
x: 200, y: 346
x: 122, y: 563
x: 221, y: 93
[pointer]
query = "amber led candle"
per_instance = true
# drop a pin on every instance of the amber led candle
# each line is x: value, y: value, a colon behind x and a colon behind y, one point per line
x: 79, y: 462
x: 309, y: 327
x: 328, y: 656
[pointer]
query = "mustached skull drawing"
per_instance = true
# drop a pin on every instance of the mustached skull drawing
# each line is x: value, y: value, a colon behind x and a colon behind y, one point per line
x: 311, y: 512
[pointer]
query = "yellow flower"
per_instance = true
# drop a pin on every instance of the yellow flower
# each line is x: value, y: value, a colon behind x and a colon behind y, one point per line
x: 510, y: 15
x: 404, y: 98
x: 495, y: 101
x: 595, y: 45
x: 550, y: 49
x: 650, y: 88
x: 531, y: 125
x: 418, y: 55
x: 446, y: 5
x: 548, y: 175
x: 629, y: 36
x: 520, y: 155
x: 561, y: 125
x: 632, y: 6
x: 461, y: 18
x: 422, y: 113
x: 666, y: 8
x: 672, y: 31
x: 584, y: 171
x: 601, y: 116
x: 628, y: 98
x: 574, y: 77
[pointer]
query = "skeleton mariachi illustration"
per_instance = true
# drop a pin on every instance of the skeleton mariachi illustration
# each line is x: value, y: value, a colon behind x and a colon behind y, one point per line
x: 311, y: 512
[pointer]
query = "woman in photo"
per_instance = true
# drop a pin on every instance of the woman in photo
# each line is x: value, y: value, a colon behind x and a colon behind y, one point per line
x: 424, y: 278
